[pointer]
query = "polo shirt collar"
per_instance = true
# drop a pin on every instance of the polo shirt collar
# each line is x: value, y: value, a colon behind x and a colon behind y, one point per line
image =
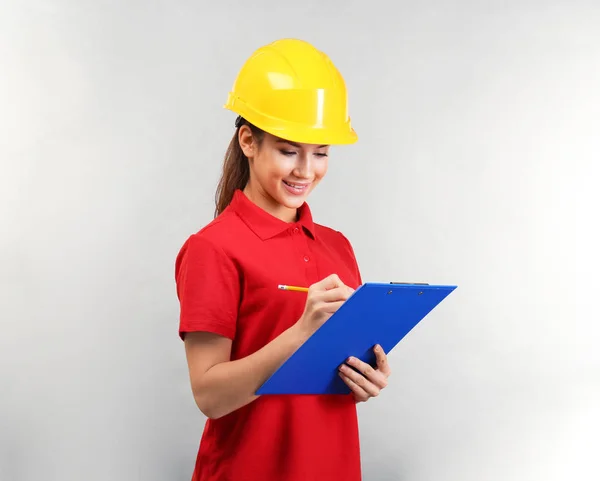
x: 265, y: 225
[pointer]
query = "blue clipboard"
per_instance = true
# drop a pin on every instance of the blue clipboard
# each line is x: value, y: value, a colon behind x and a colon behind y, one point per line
x: 376, y: 313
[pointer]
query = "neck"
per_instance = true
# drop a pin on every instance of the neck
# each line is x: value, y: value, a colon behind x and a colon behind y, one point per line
x: 270, y: 205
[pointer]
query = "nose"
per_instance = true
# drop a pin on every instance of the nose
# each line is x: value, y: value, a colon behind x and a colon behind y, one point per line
x: 304, y: 166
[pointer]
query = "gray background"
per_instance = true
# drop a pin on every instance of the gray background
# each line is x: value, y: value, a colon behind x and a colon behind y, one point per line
x: 476, y: 165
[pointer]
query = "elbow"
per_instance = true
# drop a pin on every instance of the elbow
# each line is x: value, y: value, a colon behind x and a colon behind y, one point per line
x: 211, y: 413
x: 206, y: 398
x: 208, y: 406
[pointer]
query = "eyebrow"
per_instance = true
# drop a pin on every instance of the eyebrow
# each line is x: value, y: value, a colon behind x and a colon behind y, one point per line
x: 283, y: 141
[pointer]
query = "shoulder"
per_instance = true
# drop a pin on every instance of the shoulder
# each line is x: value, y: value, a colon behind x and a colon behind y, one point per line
x: 340, y: 248
x: 224, y: 230
x: 334, y: 238
x: 221, y: 229
x: 211, y: 241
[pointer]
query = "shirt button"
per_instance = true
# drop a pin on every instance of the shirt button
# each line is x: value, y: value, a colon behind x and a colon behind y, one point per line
x: 306, y: 258
x: 296, y: 230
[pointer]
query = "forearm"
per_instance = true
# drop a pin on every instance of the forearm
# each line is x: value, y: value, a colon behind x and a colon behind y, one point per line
x: 231, y: 385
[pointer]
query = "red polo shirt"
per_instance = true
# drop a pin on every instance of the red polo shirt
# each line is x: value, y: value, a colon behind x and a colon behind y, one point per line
x: 227, y: 276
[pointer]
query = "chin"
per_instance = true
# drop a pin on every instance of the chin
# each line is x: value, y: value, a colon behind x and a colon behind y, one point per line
x: 292, y: 202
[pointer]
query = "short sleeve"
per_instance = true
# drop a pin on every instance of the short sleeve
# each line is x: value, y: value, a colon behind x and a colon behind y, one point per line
x: 350, y: 251
x: 208, y: 288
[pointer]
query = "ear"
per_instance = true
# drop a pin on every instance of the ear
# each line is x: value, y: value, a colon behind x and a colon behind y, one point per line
x: 246, y: 141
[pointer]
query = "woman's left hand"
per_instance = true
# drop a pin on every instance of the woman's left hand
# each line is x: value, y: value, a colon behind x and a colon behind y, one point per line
x: 368, y: 382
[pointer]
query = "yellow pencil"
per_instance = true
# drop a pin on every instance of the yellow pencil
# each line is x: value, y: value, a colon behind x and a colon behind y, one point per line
x: 293, y: 288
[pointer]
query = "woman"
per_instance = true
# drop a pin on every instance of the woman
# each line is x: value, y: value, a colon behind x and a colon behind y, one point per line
x: 237, y: 326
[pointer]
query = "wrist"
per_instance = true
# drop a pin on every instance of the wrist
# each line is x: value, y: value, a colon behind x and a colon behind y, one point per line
x: 299, y: 332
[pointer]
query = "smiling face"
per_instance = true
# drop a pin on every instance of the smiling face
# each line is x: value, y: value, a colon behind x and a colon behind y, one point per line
x: 282, y: 173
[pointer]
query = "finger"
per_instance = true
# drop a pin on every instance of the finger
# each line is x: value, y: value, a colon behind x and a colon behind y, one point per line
x: 330, y: 282
x: 328, y: 307
x: 370, y: 388
x: 382, y: 362
x: 331, y: 307
x: 332, y: 295
x: 359, y: 393
x: 376, y: 377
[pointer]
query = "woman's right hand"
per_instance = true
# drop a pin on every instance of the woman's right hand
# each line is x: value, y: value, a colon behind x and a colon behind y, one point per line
x: 324, y: 298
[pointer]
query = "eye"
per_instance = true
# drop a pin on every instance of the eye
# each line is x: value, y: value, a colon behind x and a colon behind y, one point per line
x: 320, y: 154
x: 288, y: 153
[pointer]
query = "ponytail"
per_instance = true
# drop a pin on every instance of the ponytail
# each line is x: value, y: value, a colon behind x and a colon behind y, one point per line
x: 236, y: 168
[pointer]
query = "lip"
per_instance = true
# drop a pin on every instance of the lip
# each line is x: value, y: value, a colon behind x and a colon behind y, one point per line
x: 303, y: 190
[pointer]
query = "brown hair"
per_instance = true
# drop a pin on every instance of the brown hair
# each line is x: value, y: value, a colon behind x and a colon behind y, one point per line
x: 236, y: 168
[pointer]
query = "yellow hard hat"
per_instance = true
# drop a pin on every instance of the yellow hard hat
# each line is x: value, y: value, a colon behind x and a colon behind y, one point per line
x: 293, y: 91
